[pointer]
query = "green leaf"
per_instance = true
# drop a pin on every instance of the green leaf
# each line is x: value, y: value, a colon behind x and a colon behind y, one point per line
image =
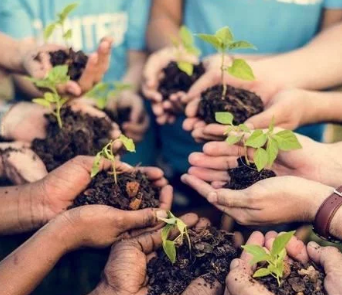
x: 258, y: 253
x: 59, y: 75
x: 66, y: 11
x: 193, y: 50
x: 280, y: 242
x: 262, y: 272
x: 170, y: 250
x: 211, y: 39
x: 182, y: 227
x: 233, y: 139
x: 257, y: 139
x: 165, y: 232
x: 241, y: 70
x: 272, y: 151
x: 120, y: 86
x: 128, y: 143
x: 186, y: 67
x: 225, y: 36
x: 101, y: 103
x: 186, y: 36
x: 68, y: 35
x: 260, y: 159
x: 241, y: 45
x: 96, y: 165
x: 63, y: 101
x: 49, y: 97
x: 287, y: 140
x: 42, y: 102
x: 224, y: 118
x: 49, y: 31
x: 244, y: 128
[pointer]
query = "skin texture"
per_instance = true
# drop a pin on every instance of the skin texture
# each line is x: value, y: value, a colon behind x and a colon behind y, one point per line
x: 30, y: 206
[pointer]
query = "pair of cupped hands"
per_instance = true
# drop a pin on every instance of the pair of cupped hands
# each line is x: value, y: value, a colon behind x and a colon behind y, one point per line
x: 25, y: 121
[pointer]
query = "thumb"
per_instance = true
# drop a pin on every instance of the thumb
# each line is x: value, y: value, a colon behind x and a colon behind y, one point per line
x: 262, y: 120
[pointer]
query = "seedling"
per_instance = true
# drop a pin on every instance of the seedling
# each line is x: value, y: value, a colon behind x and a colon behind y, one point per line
x: 185, y: 43
x: 52, y: 100
x: 102, y: 92
x: 223, y: 41
x: 274, y: 260
x: 107, y: 153
x: 60, y: 23
x: 169, y: 246
x: 284, y: 140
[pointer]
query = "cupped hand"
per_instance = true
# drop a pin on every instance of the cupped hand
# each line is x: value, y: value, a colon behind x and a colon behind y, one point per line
x: 20, y: 164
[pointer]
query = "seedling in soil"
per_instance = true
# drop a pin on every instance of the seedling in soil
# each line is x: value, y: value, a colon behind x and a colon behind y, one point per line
x: 60, y: 23
x: 52, y: 100
x: 169, y: 246
x: 102, y: 92
x: 274, y: 260
x: 284, y: 140
x: 223, y: 41
x: 107, y: 153
x: 185, y: 43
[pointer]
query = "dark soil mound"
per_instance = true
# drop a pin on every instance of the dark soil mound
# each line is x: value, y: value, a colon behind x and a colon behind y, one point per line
x: 176, y: 80
x: 81, y: 135
x: 245, y: 175
x: 303, y: 279
x: 211, y: 254
x: 133, y: 191
x: 241, y: 103
x: 75, y: 60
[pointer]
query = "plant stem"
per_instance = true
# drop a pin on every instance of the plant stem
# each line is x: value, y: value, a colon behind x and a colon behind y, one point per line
x: 222, y: 76
x: 114, y: 172
x: 58, y: 115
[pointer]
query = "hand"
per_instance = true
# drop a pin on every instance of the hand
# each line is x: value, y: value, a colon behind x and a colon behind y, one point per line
x: 138, y: 122
x: 25, y: 121
x: 258, y: 204
x: 125, y: 272
x: 315, y: 161
x: 153, y: 73
x: 20, y: 164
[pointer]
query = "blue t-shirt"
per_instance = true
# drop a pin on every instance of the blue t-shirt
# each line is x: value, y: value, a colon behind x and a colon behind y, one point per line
x: 273, y: 26
x: 124, y: 20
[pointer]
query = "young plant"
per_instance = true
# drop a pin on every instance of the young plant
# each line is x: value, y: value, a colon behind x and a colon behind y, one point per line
x: 185, y: 43
x: 274, y: 260
x: 60, y: 23
x: 267, y: 144
x: 169, y: 246
x: 107, y: 153
x: 52, y: 100
x: 102, y: 92
x: 223, y: 41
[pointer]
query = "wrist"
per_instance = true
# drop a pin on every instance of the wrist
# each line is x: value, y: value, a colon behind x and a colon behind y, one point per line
x: 17, y: 60
x: 319, y: 193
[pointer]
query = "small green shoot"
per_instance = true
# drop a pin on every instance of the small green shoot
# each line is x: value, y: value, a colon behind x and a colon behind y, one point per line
x: 284, y: 140
x: 223, y: 41
x: 274, y: 259
x: 52, y: 100
x: 172, y: 222
x: 107, y: 153
x: 185, y: 43
x: 102, y: 92
x: 60, y: 23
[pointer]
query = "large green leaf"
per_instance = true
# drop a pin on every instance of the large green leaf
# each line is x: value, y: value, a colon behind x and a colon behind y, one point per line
x: 241, y: 70
x: 186, y: 36
x: 68, y: 35
x: 165, y: 232
x: 66, y: 11
x: 287, y: 140
x: 211, y: 39
x: 225, y: 36
x: 224, y: 118
x: 186, y: 67
x: 96, y: 165
x: 280, y: 242
x: 170, y: 250
x: 260, y: 159
x: 272, y: 151
x: 49, y: 31
x: 258, y: 253
x: 42, y: 102
x: 128, y: 143
x: 257, y: 139
x: 241, y: 45
x: 262, y: 272
x: 233, y: 139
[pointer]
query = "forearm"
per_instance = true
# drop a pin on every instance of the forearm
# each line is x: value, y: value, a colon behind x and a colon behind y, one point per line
x: 317, y: 65
x: 167, y: 15
x: 10, y: 54
x: 23, y: 270
x: 136, y: 62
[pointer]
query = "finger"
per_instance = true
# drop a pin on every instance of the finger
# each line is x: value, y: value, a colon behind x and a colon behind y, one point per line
x: 192, y: 108
x: 158, y: 109
x: 71, y: 87
x: 160, y: 183
x: 218, y: 163
x: 166, y: 198
x: 104, y: 54
x: 202, y: 224
x: 114, y: 134
x: 227, y: 223
x: 238, y: 240
x: 152, y: 173
x: 209, y: 175
x: 199, y: 135
x: 86, y: 81
x: 189, y: 123
x: 256, y: 238
x: 203, y: 188
x: 137, y: 111
x: 216, y: 130
x: 79, y: 106
x: 136, y: 128
x: 152, y: 94
x: 200, y: 286
x: 222, y: 149
x: 330, y: 258
x: 218, y: 184
x: 262, y: 120
x: 162, y: 120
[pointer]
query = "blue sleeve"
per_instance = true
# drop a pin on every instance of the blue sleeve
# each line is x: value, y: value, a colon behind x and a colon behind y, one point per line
x: 138, y: 15
x: 16, y: 19
x: 333, y: 4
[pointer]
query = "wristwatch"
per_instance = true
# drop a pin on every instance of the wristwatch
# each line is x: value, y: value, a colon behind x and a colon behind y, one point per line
x: 326, y: 213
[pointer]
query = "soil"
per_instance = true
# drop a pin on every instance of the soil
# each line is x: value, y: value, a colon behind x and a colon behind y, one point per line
x: 245, y: 175
x: 76, y: 60
x: 303, y: 279
x: 133, y: 191
x: 210, y: 256
x: 176, y: 80
x: 241, y: 103
x: 81, y: 135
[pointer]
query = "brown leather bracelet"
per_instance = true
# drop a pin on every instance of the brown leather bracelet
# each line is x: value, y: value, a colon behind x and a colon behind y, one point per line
x: 326, y: 212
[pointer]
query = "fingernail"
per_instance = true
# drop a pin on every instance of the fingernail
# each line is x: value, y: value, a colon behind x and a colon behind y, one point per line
x: 212, y: 197
x: 161, y: 214
x: 314, y: 245
x: 235, y: 263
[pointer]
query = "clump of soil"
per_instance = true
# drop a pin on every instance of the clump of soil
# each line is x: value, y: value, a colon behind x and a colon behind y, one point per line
x: 241, y: 103
x: 245, y: 175
x: 81, y: 134
x: 133, y: 191
x: 210, y: 256
x: 303, y: 279
x: 176, y: 80
x: 76, y: 60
